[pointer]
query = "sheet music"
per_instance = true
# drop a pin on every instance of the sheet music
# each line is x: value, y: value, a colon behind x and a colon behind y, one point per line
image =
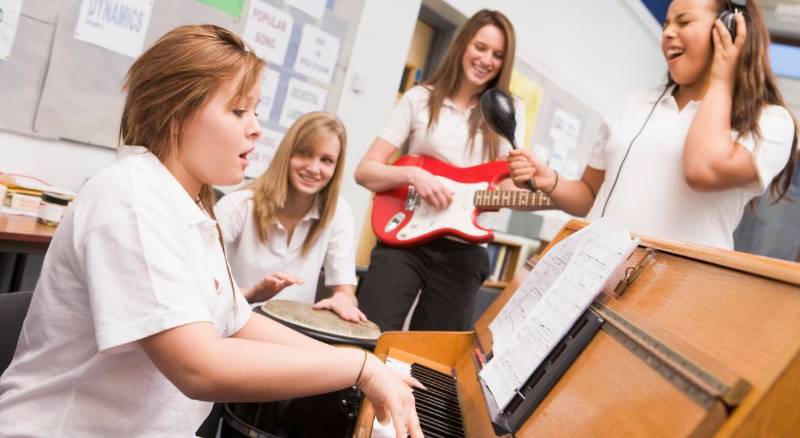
x: 554, y: 297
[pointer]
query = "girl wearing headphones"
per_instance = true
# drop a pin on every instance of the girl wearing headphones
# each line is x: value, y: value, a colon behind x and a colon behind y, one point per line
x: 136, y: 320
x: 682, y: 162
x: 440, y: 119
x: 291, y: 222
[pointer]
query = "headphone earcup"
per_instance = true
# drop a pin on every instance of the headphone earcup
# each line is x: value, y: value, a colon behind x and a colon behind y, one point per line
x: 728, y: 18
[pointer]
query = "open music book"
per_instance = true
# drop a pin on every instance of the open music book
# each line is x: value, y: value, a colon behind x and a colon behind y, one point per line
x: 549, y: 301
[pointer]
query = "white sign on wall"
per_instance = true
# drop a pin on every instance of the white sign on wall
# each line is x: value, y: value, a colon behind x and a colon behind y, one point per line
x: 314, y: 8
x: 266, y: 145
x: 118, y: 25
x: 317, y: 54
x: 268, y: 30
x: 301, y: 98
x: 566, y: 128
x: 269, y: 86
x: 9, y: 20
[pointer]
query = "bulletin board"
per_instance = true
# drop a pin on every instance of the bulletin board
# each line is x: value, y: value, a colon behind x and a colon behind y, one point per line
x: 68, y: 88
x: 560, y: 128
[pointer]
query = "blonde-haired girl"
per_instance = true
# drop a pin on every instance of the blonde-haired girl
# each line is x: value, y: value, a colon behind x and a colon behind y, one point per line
x: 291, y: 222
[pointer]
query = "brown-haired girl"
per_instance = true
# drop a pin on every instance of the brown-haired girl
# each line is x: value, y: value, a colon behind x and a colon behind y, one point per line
x: 683, y: 162
x: 291, y: 222
x: 136, y: 323
x: 440, y: 119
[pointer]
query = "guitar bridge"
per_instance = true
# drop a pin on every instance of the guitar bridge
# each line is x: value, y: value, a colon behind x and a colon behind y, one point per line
x: 412, y: 199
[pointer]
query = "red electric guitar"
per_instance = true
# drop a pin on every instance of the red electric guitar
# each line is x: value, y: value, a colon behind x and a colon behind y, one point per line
x: 401, y: 218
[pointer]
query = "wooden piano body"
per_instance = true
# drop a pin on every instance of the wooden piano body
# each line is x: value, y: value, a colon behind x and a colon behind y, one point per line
x: 736, y: 315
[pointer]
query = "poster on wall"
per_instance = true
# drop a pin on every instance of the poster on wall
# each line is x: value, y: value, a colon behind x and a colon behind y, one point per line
x: 301, y: 98
x: 566, y: 128
x: 314, y: 8
x: 268, y: 30
x: 117, y: 25
x: 266, y: 145
x: 269, y: 87
x: 531, y: 94
x: 232, y: 7
x: 317, y: 54
x: 9, y: 19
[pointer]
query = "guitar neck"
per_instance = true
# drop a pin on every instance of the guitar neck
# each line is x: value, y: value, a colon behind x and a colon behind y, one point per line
x: 515, y: 199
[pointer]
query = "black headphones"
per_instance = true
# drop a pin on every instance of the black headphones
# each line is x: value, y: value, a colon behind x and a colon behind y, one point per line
x: 728, y: 16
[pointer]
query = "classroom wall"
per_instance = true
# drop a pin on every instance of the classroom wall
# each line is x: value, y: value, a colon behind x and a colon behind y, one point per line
x: 61, y: 163
x: 619, y: 54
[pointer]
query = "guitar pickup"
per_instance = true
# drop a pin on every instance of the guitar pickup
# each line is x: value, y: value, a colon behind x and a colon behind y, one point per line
x: 412, y: 199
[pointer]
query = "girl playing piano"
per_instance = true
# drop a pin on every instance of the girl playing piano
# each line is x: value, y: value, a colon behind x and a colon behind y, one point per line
x: 136, y: 323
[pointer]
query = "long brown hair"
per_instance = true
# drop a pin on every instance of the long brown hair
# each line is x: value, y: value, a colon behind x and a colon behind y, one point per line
x: 270, y: 190
x: 448, y: 76
x: 754, y: 88
x: 173, y: 79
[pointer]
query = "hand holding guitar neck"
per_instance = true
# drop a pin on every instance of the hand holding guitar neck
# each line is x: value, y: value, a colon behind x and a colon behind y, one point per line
x: 497, y: 109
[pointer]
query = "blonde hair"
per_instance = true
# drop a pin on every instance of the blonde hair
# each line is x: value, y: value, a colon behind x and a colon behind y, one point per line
x: 450, y: 73
x: 173, y: 79
x: 271, y: 188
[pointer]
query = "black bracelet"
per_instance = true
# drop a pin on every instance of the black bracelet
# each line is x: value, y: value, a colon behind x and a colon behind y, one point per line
x: 554, y: 185
x: 362, y: 368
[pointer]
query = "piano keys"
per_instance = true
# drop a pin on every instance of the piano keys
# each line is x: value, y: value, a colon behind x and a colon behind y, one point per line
x: 437, y: 405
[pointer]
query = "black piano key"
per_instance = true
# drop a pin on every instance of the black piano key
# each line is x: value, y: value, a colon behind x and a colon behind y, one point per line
x: 438, y: 379
x: 430, y: 427
x: 428, y: 408
x: 436, y: 392
x: 433, y: 384
x: 415, y: 367
x: 434, y: 412
x: 448, y: 404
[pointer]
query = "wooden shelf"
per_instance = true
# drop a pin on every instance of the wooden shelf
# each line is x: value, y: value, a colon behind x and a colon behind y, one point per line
x: 507, y: 253
x: 496, y: 284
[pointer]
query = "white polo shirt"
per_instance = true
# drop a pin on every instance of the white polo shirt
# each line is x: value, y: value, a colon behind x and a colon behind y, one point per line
x: 133, y: 256
x: 652, y: 196
x: 447, y: 140
x: 251, y: 259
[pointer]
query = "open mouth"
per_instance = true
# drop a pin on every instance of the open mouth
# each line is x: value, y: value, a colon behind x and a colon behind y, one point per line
x: 674, y: 53
x: 309, y: 179
x: 244, y: 155
x: 482, y: 71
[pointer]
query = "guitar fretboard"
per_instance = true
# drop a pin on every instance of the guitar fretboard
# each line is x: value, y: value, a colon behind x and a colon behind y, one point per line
x: 520, y: 199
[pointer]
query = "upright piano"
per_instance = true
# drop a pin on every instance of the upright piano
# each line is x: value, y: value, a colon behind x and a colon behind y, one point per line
x: 699, y: 342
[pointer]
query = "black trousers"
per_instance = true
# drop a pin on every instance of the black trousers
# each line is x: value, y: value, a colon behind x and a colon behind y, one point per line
x: 449, y: 273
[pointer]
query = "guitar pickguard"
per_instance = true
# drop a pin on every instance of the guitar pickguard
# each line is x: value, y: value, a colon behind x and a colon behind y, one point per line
x: 458, y: 216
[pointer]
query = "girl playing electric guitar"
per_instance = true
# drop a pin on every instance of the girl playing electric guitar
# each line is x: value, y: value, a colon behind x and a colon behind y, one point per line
x: 440, y: 119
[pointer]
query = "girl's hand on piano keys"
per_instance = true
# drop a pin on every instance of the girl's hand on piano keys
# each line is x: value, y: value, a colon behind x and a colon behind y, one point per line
x: 391, y: 397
